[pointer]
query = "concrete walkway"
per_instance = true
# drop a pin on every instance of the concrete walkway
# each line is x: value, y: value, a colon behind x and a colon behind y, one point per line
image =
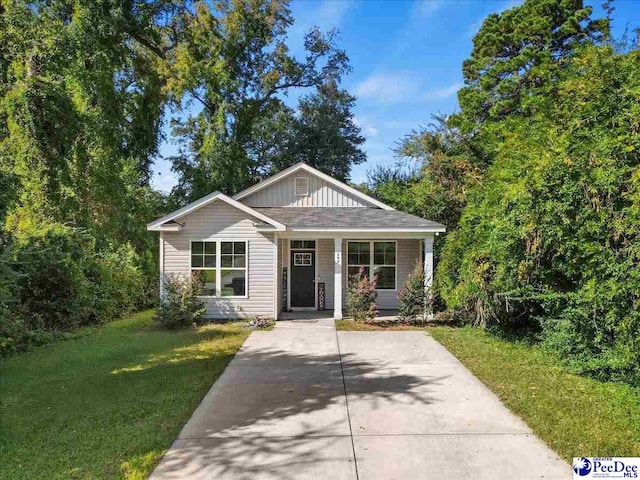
x: 306, y: 402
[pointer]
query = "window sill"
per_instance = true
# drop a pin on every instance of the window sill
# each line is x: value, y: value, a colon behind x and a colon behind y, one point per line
x: 220, y: 298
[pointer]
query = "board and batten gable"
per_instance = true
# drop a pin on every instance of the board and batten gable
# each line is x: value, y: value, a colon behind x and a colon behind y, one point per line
x: 221, y: 221
x: 321, y: 193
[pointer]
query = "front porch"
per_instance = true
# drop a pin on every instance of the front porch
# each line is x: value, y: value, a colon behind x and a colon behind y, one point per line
x: 312, y: 270
x: 383, y: 315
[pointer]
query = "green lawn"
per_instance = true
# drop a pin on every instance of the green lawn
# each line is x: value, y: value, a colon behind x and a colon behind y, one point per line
x: 575, y: 415
x: 108, y: 404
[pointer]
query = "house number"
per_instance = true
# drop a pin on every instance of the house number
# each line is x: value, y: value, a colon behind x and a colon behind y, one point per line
x: 339, y: 258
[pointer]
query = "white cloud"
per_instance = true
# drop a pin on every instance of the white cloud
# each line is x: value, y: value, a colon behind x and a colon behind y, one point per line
x: 331, y: 13
x: 444, y: 92
x: 427, y: 8
x: 366, y: 126
x: 326, y: 15
x: 386, y: 87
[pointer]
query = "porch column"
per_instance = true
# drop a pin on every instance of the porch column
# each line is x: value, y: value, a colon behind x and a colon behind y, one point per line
x: 428, y: 262
x: 161, y: 261
x: 337, y: 279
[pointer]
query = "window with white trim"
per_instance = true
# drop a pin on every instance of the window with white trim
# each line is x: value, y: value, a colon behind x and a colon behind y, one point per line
x: 376, y: 257
x: 233, y: 265
x: 203, y: 266
x: 301, y: 186
x: 222, y: 267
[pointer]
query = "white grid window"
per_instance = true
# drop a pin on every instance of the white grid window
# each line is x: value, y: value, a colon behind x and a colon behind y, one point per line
x: 376, y: 257
x: 222, y: 267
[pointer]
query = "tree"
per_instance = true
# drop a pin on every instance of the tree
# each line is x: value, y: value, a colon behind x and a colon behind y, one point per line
x: 415, y: 301
x: 325, y: 133
x: 521, y: 51
x: 81, y: 109
x: 234, y: 63
x: 320, y: 132
x: 550, y: 239
x: 447, y: 163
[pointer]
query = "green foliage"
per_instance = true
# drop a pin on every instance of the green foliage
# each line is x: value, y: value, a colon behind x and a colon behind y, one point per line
x: 233, y: 61
x: 518, y: 54
x: 180, y: 306
x: 55, y: 280
x: 85, y: 88
x: 82, y: 109
x: 361, y: 297
x: 537, y: 179
x: 415, y: 302
x: 552, y: 234
x: 322, y: 133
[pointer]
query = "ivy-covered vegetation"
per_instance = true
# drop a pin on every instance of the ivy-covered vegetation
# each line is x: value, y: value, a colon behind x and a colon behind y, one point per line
x: 87, y: 91
x: 538, y: 180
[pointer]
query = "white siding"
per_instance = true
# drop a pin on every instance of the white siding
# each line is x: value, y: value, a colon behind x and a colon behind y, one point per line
x: 219, y: 220
x: 321, y: 194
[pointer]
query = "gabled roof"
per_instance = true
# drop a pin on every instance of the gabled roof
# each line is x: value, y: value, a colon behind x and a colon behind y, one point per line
x: 171, y: 225
x: 303, y: 166
x: 349, y: 219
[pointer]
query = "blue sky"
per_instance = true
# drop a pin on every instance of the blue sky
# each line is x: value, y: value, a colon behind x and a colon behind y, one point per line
x: 407, y: 62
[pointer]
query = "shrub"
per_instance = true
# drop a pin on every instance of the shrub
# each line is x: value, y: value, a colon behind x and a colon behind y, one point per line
x: 180, y: 306
x: 55, y: 280
x: 415, y: 302
x: 361, y: 296
x: 64, y: 281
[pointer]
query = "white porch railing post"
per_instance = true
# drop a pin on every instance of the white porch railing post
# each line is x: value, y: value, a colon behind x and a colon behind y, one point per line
x: 337, y: 279
x: 161, y: 267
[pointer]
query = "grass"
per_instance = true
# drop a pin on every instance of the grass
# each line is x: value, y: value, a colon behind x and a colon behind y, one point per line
x: 576, y: 416
x: 108, y: 404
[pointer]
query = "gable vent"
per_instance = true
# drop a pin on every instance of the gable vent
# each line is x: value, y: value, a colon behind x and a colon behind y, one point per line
x: 301, y: 185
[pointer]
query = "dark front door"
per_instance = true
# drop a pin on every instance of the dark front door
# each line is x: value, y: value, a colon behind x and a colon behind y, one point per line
x: 303, y: 274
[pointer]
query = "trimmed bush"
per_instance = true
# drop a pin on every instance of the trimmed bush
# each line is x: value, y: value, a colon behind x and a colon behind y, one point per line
x: 361, y: 297
x: 180, y: 306
x: 415, y: 303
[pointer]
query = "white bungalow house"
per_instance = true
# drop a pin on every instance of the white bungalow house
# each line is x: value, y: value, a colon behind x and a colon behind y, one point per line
x: 289, y: 243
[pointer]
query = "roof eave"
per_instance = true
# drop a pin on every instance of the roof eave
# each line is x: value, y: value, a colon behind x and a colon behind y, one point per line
x: 159, y: 224
x: 435, y: 229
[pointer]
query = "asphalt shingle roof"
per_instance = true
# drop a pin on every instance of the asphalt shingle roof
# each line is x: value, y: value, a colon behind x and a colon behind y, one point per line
x: 350, y: 217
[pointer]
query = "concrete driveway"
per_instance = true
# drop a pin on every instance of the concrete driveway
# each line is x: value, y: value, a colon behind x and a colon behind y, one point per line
x: 306, y: 402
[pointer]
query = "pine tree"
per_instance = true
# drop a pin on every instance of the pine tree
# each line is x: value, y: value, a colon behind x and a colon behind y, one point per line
x: 415, y: 300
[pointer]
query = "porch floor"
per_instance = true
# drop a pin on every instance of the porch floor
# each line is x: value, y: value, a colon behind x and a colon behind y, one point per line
x: 383, y: 315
